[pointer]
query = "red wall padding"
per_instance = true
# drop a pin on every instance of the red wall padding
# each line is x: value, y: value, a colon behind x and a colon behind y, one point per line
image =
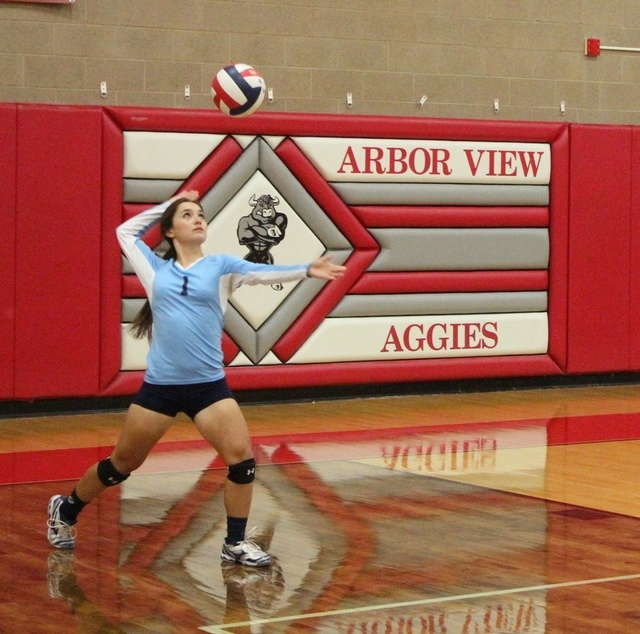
x: 8, y: 135
x: 599, y: 249
x: 61, y: 186
x: 111, y: 263
x: 634, y: 282
x: 58, y: 227
x: 559, y: 237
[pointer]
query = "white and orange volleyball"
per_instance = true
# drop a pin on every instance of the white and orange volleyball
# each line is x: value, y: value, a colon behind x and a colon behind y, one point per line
x: 238, y: 90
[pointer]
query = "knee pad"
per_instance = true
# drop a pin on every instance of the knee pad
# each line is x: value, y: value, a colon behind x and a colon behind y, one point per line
x: 243, y: 472
x: 108, y: 474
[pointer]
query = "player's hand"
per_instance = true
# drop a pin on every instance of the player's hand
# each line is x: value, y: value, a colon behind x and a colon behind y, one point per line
x: 190, y: 194
x: 324, y: 269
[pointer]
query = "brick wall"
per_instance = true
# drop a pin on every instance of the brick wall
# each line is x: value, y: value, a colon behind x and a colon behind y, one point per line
x: 527, y: 54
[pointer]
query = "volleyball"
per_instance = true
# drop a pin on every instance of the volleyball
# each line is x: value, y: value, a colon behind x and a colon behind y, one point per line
x: 238, y: 90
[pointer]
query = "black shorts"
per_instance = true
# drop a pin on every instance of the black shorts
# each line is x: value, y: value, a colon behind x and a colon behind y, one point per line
x: 190, y: 399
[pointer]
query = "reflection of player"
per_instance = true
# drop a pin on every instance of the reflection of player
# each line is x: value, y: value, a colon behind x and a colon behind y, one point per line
x: 62, y: 584
x: 262, y: 229
x: 251, y: 591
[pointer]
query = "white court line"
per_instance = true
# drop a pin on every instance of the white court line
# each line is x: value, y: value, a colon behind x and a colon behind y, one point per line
x: 224, y: 629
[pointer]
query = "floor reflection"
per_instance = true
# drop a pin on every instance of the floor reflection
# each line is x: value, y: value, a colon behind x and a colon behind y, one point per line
x: 455, y: 529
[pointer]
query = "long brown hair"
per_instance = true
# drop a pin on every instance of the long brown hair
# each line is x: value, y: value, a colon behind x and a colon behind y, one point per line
x: 142, y: 323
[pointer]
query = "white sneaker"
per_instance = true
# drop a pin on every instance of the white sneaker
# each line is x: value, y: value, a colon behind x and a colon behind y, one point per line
x: 245, y: 552
x: 59, y: 533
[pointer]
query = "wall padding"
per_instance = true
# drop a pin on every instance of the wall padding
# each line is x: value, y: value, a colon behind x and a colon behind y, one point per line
x: 58, y: 232
x: 634, y: 291
x: 111, y: 258
x: 599, y: 249
x: 62, y: 279
x: 8, y: 114
x: 559, y: 234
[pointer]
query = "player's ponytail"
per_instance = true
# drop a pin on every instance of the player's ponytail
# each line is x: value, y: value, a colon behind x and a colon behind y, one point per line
x: 142, y: 324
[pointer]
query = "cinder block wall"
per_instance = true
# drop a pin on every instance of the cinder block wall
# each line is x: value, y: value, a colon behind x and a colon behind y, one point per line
x: 462, y: 55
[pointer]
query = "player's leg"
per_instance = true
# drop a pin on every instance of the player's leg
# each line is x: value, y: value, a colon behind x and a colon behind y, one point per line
x: 223, y: 425
x: 142, y: 429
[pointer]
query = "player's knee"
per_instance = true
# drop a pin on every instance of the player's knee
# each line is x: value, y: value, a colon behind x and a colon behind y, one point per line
x: 109, y: 475
x: 242, y: 473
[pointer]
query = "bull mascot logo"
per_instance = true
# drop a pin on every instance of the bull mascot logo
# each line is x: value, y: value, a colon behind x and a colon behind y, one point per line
x: 262, y: 229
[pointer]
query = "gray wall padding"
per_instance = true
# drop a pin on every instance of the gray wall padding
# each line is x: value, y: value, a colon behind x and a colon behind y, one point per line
x: 130, y: 308
x: 461, y: 249
x: 148, y: 190
x: 230, y: 182
x: 441, y: 304
x: 441, y: 194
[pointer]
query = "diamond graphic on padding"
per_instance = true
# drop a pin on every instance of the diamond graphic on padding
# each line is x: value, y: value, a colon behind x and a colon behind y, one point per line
x: 267, y: 328
x: 297, y: 245
x: 256, y: 172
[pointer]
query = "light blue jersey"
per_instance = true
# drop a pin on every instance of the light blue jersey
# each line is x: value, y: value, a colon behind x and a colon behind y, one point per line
x: 188, y: 304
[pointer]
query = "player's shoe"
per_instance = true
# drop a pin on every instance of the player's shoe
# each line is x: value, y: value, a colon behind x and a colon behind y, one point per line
x: 60, y: 574
x: 246, y: 552
x: 60, y: 534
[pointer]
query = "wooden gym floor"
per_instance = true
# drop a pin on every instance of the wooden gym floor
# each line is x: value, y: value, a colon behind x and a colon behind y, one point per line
x: 503, y: 512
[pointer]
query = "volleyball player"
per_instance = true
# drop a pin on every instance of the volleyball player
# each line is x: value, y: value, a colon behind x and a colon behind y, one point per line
x: 187, y: 295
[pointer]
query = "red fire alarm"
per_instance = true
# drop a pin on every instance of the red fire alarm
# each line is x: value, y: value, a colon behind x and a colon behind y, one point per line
x: 592, y: 47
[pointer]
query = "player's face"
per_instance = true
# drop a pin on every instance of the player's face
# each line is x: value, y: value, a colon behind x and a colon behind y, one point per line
x: 189, y: 224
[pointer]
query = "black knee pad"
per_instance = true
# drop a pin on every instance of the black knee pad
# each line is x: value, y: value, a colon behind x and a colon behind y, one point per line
x: 243, y: 472
x: 108, y: 474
